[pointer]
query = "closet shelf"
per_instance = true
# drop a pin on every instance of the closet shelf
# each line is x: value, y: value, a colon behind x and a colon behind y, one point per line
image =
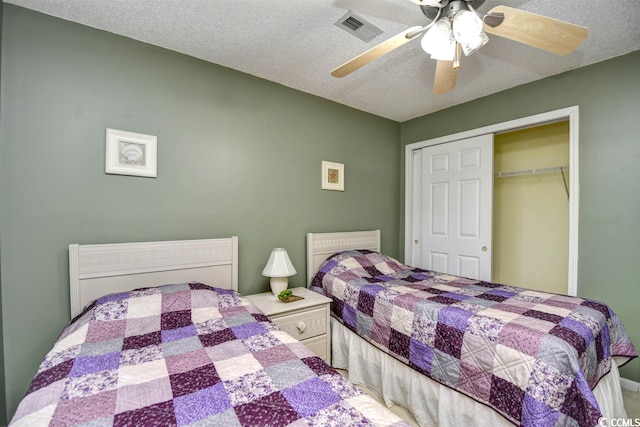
x: 535, y: 171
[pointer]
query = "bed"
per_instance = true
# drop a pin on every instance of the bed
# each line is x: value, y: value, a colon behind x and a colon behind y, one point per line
x: 455, y: 351
x: 151, y: 344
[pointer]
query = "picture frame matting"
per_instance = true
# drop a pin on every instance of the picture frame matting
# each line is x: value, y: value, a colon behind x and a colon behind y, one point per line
x: 130, y: 153
x: 332, y: 176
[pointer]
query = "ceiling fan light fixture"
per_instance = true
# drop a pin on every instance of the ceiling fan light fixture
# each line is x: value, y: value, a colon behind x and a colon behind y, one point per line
x: 467, y: 30
x: 438, y: 41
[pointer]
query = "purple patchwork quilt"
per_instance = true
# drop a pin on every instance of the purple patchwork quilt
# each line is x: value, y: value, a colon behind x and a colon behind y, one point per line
x: 188, y: 354
x: 532, y: 356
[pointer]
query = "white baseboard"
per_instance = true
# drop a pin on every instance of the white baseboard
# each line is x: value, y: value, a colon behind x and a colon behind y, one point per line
x: 630, y: 385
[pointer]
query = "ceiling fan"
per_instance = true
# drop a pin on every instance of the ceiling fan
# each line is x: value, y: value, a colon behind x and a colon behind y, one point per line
x: 456, y: 27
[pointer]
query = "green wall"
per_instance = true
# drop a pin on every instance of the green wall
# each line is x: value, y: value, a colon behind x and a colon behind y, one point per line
x: 237, y: 155
x: 3, y: 398
x: 608, y: 94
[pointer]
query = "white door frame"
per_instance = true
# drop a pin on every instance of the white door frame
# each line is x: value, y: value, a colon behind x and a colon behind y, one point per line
x: 569, y: 113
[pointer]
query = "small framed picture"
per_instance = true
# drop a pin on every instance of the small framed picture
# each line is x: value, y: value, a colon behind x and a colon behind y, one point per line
x: 130, y: 153
x: 332, y: 176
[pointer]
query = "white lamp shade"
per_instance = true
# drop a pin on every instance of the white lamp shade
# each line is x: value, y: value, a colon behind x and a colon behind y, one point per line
x: 279, y: 264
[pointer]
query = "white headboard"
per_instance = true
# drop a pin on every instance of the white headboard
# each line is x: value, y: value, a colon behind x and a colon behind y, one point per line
x: 321, y: 246
x: 97, y: 270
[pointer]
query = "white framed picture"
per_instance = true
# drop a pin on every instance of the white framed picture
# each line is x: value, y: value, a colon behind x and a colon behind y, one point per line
x: 332, y: 176
x: 130, y: 153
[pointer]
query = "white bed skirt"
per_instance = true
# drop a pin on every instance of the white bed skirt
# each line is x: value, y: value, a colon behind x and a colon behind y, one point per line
x: 431, y: 403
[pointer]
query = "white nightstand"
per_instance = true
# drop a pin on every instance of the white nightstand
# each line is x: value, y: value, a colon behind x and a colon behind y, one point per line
x: 306, y: 320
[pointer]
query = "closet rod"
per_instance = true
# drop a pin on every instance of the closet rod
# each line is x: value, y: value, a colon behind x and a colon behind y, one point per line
x: 535, y: 171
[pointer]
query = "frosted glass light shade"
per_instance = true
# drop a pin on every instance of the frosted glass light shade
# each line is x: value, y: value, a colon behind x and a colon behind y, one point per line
x: 467, y: 30
x: 279, y: 267
x: 438, y: 41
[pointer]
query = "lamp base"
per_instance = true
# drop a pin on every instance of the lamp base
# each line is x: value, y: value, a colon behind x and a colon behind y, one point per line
x: 278, y: 284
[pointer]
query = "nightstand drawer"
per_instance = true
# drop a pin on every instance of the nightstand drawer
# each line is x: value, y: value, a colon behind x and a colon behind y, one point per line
x: 318, y: 345
x: 304, y: 325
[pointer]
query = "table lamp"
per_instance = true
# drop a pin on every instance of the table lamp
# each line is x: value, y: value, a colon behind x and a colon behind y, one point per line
x: 279, y: 268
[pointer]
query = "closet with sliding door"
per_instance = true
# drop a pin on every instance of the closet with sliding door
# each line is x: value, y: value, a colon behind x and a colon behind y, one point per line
x: 531, y: 191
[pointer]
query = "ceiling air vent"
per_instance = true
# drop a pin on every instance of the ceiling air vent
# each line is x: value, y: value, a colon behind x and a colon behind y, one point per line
x: 359, y: 27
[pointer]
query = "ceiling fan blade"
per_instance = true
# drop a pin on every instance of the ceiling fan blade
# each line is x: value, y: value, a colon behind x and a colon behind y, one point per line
x: 377, y: 51
x: 446, y: 77
x: 539, y: 31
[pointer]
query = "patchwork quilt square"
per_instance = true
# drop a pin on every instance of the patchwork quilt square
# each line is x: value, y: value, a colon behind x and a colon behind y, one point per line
x: 366, y: 300
x: 273, y: 355
x: 310, y: 396
x: 249, y: 329
x: 478, y: 351
x: 144, y: 306
x: 139, y: 394
x: 91, y: 364
x: 201, y: 404
x: 235, y: 367
x: 142, y: 372
x: 475, y: 380
x: 106, y: 330
x: 142, y: 325
x: 289, y: 373
x: 140, y: 355
x: 176, y: 301
x: 399, y: 344
x: 194, y: 380
x: 250, y: 387
x: 90, y: 384
x: 160, y: 414
x: 179, y: 333
x: 217, y: 337
x: 44, y: 397
x: 449, y: 340
x: 175, y: 319
x: 181, y: 346
x: 521, y: 338
x: 512, y: 366
x: 187, y: 361
x: 51, y: 375
x: 84, y: 409
x: 254, y: 414
x: 548, y: 317
x: 204, y: 314
x: 141, y: 341
x: 506, y: 397
x: 100, y: 347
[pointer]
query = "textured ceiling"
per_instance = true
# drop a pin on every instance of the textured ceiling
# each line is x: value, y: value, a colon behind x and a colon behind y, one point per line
x: 295, y: 43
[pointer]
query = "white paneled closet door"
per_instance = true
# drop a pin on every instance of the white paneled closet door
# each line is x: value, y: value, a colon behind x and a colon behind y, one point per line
x: 452, y: 205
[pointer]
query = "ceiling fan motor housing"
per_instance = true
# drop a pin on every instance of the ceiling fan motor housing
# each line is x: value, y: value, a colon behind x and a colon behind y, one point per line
x: 449, y: 7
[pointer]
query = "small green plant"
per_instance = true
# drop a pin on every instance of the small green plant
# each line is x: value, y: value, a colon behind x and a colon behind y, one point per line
x: 284, y: 294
